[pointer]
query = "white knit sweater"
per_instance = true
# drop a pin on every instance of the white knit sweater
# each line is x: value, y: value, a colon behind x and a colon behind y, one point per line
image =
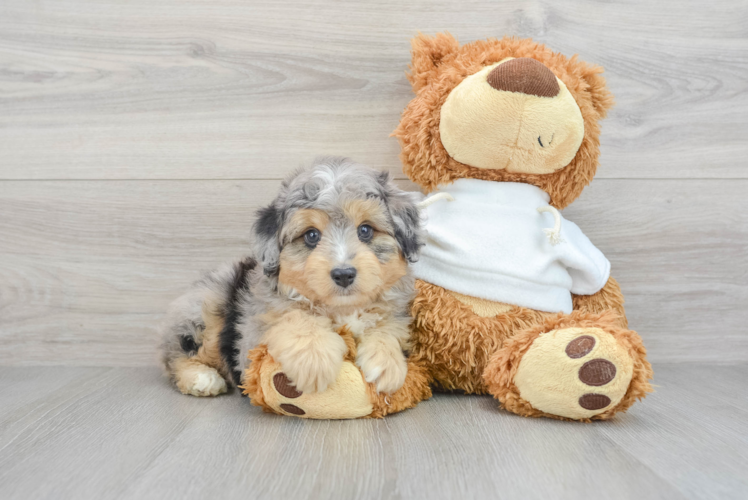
x: 490, y: 243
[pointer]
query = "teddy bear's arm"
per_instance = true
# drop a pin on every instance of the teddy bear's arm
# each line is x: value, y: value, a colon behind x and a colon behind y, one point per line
x: 608, y: 298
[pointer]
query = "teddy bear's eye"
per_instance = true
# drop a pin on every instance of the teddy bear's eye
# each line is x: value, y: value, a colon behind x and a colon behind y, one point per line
x: 312, y: 237
x: 365, y: 233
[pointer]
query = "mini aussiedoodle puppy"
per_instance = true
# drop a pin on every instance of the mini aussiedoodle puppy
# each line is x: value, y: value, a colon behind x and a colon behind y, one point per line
x: 331, y: 250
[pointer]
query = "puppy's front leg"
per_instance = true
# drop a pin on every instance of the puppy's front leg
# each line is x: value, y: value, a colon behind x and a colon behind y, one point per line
x: 380, y: 354
x: 308, y: 348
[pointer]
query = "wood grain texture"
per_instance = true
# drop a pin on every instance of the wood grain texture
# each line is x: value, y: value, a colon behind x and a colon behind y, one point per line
x: 160, y: 126
x: 125, y: 433
x: 87, y: 268
x: 203, y: 89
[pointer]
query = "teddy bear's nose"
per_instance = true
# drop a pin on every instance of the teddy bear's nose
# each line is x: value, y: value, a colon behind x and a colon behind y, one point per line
x: 524, y: 75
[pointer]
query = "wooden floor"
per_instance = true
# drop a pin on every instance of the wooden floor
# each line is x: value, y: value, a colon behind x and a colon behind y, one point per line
x: 124, y: 433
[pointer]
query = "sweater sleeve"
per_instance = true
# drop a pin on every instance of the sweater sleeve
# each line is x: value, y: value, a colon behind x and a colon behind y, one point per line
x: 586, y: 264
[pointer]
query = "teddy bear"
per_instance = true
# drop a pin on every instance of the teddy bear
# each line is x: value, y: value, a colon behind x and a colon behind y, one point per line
x: 512, y: 300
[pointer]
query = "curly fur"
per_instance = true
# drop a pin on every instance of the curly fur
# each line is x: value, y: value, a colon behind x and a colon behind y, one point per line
x: 415, y: 389
x: 440, y: 64
x: 454, y: 342
x: 503, y: 365
x: 284, y: 293
x: 461, y: 349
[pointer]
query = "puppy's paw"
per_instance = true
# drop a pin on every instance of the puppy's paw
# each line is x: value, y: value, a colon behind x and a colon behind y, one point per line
x: 200, y: 380
x: 387, y: 367
x: 313, y: 364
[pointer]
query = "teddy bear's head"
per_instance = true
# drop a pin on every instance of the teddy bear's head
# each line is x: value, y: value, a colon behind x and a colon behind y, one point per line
x: 502, y: 110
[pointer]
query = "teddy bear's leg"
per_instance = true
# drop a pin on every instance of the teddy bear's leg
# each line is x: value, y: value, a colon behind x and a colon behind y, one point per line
x: 350, y: 396
x: 583, y: 366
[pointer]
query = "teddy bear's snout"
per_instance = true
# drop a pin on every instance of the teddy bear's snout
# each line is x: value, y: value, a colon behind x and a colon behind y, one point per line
x: 514, y: 115
x: 524, y: 75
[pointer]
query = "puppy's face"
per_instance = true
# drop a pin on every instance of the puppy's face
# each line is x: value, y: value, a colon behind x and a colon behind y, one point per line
x: 344, y: 235
x: 346, y: 258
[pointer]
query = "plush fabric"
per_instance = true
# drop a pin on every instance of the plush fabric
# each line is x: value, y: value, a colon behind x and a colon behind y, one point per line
x: 524, y: 75
x: 454, y: 342
x: 472, y: 135
x: 482, y: 307
x: 350, y: 396
x: 580, y: 364
x: 489, y: 243
x: 554, y: 382
x: 439, y: 64
x: 501, y: 371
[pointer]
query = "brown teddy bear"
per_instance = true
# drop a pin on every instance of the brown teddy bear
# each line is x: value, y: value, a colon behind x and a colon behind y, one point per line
x: 512, y: 299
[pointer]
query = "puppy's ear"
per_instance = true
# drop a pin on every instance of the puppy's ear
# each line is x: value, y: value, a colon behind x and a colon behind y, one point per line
x: 405, y: 217
x: 266, y: 240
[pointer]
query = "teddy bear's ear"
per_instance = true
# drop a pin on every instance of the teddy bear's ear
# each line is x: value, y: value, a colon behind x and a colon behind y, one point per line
x: 428, y: 52
x: 602, y: 98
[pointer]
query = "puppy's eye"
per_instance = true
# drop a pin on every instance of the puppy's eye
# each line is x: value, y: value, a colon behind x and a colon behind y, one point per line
x: 311, y: 238
x: 365, y: 233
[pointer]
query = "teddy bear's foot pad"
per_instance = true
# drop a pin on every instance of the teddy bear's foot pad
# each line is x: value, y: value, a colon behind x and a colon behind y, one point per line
x: 286, y: 389
x: 347, y: 397
x: 574, y: 372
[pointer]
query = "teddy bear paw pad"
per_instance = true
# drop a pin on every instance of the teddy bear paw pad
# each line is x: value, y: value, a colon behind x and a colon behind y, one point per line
x: 574, y: 372
x: 284, y: 386
x: 347, y: 397
x: 286, y: 389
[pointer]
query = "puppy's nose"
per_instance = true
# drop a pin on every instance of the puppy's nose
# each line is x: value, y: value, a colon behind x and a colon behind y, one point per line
x: 343, y: 277
x: 524, y: 75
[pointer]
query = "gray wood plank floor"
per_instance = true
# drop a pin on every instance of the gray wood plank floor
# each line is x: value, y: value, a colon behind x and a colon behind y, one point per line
x: 125, y: 433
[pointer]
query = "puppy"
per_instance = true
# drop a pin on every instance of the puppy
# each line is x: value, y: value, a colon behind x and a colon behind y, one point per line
x: 330, y: 252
